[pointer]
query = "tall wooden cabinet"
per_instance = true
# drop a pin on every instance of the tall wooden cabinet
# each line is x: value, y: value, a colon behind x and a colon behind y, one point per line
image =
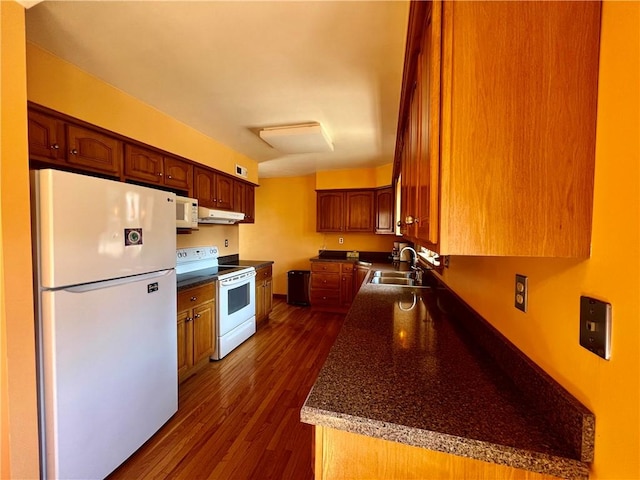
x: 496, y: 135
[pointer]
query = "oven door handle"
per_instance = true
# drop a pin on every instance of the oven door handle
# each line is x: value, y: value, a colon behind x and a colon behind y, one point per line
x: 235, y: 280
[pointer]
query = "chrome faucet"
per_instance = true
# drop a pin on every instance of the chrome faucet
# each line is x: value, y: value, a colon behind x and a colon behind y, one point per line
x: 415, y: 256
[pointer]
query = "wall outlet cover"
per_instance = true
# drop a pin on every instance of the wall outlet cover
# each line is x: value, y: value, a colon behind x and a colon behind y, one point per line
x: 595, y: 326
x: 521, y: 295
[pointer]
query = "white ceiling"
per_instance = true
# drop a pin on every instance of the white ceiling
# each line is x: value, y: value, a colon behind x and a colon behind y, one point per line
x: 230, y: 68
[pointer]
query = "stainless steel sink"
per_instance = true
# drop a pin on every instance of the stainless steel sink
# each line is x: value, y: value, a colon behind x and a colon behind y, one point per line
x: 393, y: 274
x: 384, y: 280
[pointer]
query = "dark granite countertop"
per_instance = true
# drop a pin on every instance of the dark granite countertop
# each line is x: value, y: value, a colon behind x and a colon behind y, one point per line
x: 405, y: 369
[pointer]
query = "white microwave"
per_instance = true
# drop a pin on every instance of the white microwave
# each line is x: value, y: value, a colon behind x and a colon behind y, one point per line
x: 186, y: 212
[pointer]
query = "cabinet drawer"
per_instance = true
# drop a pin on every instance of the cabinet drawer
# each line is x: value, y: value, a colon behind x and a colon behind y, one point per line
x: 325, y: 298
x: 325, y: 280
x: 347, y: 267
x: 194, y: 296
x: 264, y: 272
x: 325, y: 267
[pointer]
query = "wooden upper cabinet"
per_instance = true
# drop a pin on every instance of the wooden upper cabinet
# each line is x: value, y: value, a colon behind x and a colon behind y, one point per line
x: 142, y: 164
x: 224, y: 191
x: 330, y: 211
x: 250, y: 206
x: 505, y: 163
x: 91, y: 150
x: 204, y: 187
x: 359, y: 211
x: 178, y: 174
x: 46, y: 138
x: 213, y: 190
x: 152, y: 167
x: 384, y: 206
x: 243, y: 200
x: 352, y: 211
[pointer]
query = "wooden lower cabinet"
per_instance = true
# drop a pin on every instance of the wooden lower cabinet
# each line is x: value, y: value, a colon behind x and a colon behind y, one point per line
x: 264, y: 293
x: 342, y: 455
x: 332, y: 285
x: 196, y: 328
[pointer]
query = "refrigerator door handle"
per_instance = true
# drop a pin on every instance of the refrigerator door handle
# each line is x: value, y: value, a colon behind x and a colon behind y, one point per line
x: 88, y: 287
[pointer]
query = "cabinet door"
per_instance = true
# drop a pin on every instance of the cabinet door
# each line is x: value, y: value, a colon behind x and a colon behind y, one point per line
x: 203, y: 187
x: 260, y: 305
x: 185, y: 359
x: 405, y: 179
x: 142, y: 164
x: 384, y: 210
x: 361, y: 274
x: 46, y: 138
x: 268, y: 296
x: 203, y: 325
x: 330, y: 211
x: 249, y: 214
x: 360, y: 211
x: 239, y: 197
x: 346, y: 289
x: 428, y: 163
x: 178, y: 174
x: 93, y: 151
x: 224, y: 192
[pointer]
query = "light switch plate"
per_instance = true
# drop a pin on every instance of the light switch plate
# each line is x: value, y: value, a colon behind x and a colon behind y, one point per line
x: 595, y: 326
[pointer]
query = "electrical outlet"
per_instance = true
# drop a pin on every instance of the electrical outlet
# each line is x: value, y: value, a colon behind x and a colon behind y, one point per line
x: 521, y: 293
x: 226, y: 242
x: 340, y: 240
x: 595, y: 326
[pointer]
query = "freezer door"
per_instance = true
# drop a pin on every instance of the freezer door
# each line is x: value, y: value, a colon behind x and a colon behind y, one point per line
x: 90, y: 229
x: 109, y: 370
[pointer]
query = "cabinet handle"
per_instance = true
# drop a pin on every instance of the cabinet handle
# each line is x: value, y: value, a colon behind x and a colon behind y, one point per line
x: 193, y: 299
x: 169, y: 177
x: 159, y: 174
x: 73, y: 152
x: 197, y: 315
x: 409, y: 220
x: 188, y: 319
x: 55, y: 146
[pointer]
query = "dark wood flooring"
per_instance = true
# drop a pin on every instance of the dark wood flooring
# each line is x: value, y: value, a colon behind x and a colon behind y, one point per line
x: 239, y: 418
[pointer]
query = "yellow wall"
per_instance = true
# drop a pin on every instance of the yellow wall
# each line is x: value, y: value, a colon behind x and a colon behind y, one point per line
x: 548, y: 332
x: 285, y: 228
x: 354, y: 178
x: 212, y: 235
x: 59, y: 85
x: 18, y: 420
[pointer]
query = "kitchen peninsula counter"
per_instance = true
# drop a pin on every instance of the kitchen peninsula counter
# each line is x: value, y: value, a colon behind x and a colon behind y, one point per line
x: 416, y: 366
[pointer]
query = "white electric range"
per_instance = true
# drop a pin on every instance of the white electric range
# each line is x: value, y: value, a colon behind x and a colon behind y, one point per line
x: 236, y: 301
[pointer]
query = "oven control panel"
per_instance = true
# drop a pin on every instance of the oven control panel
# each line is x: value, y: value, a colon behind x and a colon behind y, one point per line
x: 192, y: 254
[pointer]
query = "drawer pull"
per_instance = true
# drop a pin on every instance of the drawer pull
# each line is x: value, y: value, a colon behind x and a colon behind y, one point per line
x: 193, y: 299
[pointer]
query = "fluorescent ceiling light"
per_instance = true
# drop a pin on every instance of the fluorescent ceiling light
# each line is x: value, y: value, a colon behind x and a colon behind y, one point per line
x: 303, y: 138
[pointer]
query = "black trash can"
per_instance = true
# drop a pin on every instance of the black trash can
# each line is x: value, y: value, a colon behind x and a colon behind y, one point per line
x: 298, y: 287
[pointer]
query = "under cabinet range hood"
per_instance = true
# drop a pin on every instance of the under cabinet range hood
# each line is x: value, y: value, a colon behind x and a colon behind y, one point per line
x: 210, y: 215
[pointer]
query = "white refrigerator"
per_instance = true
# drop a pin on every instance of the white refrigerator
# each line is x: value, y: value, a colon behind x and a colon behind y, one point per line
x: 104, y: 254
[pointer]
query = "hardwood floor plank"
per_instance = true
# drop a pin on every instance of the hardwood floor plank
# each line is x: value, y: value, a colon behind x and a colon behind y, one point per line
x: 239, y: 418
